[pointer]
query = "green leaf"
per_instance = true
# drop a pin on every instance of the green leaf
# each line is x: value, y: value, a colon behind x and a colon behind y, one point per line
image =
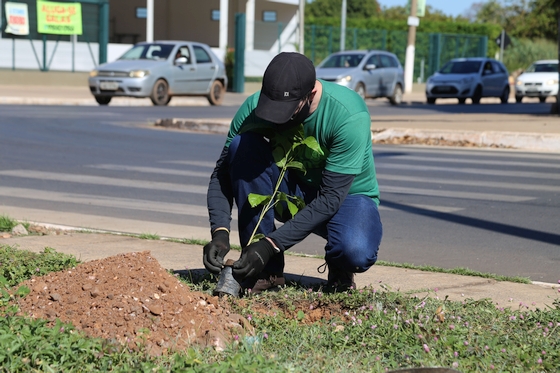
x: 296, y: 165
x: 312, y: 143
x: 279, y: 155
x: 257, y: 199
x: 293, y: 208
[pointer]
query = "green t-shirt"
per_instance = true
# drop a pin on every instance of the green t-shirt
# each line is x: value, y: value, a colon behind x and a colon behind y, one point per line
x: 341, y: 124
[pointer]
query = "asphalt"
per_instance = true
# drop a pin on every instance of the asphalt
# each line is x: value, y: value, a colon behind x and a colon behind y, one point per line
x: 526, y: 133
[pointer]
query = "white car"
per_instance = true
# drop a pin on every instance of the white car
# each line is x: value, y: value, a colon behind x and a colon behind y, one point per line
x: 473, y: 78
x: 539, y: 80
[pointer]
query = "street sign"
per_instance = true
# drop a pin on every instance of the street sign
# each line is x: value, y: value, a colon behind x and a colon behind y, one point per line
x: 507, y: 40
x: 420, y: 7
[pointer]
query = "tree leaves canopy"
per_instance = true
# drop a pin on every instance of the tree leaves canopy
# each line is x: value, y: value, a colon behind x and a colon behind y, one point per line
x: 333, y: 8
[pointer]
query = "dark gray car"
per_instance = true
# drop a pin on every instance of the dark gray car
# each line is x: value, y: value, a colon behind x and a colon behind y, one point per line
x: 373, y: 73
x: 160, y: 70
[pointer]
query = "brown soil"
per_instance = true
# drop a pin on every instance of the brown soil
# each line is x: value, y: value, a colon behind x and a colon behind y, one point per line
x: 411, y: 140
x: 131, y: 299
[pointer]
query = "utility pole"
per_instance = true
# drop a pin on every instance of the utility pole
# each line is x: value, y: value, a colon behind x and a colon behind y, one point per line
x: 558, y: 95
x: 150, y: 20
x: 413, y: 22
x: 343, y: 26
x: 301, y: 26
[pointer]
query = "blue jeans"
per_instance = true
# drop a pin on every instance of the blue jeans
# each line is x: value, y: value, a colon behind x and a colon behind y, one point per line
x: 353, y: 234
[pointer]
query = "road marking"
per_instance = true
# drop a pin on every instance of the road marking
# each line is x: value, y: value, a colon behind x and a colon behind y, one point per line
x: 476, y: 171
x: 487, y: 184
x: 153, y: 170
x: 210, y: 165
x: 103, y: 201
x: 451, y: 194
x: 470, y: 152
x: 475, y: 161
x: 111, y: 181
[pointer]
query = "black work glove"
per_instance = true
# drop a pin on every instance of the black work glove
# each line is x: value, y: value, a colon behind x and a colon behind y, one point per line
x: 215, y: 251
x: 253, y: 259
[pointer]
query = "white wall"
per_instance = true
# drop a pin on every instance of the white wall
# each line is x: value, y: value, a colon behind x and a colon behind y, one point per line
x: 60, y: 60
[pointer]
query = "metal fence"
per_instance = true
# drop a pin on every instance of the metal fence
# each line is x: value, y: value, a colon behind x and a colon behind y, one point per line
x: 432, y: 49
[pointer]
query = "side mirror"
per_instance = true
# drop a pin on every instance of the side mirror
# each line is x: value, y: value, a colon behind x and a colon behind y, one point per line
x: 370, y: 66
x: 181, y: 61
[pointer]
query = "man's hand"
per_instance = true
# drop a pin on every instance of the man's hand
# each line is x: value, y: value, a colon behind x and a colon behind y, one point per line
x: 253, y: 259
x: 215, y: 251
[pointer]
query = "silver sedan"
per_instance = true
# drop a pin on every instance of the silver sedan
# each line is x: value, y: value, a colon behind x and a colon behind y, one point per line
x: 160, y: 70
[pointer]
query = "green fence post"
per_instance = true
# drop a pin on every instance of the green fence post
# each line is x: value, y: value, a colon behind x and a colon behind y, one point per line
x: 313, y: 43
x: 44, y: 53
x: 355, y: 38
x: 384, y: 40
x: 483, y: 46
x: 239, y: 54
x: 330, y: 39
x: 103, y: 30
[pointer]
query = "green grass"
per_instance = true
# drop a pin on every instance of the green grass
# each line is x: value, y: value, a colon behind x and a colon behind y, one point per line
x: 149, y: 236
x: 7, y: 223
x: 371, y: 329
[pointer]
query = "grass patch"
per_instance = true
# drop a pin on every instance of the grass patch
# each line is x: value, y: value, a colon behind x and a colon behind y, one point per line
x: 299, y: 330
x: 7, y: 223
x: 149, y: 236
x: 457, y: 271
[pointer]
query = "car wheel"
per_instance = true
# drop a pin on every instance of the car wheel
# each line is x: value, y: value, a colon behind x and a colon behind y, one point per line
x: 396, y: 98
x: 542, y: 99
x: 216, y: 94
x: 505, y: 95
x: 431, y: 100
x: 462, y: 100
x: 103, y: 100
x: 361, y: 90
x: 518, y: 99
x: 160, y: 93
x: 477, y: 95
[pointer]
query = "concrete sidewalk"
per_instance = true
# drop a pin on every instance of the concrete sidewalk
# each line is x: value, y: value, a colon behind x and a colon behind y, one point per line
x: 178, y: 256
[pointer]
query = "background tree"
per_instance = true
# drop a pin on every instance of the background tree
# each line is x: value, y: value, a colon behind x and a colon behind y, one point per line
x: 332, y: 8
x: 520, y: 18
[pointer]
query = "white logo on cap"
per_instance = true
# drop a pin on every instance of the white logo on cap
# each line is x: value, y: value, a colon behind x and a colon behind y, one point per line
x: 286, y: 94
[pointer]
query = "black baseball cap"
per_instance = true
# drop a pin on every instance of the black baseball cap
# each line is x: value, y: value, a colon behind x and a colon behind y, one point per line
x: 289, y: 77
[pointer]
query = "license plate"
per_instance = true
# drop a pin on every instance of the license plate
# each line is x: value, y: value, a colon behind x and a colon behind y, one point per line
x: 109, y: 86
x: 444, y: 88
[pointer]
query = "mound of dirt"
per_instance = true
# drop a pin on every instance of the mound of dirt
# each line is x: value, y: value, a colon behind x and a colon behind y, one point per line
x: 131, y: 299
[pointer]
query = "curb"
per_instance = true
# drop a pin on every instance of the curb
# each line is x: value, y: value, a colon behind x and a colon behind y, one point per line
x: 487, y: 139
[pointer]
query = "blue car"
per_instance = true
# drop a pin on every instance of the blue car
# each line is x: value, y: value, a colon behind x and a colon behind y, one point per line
x: 371, y: 74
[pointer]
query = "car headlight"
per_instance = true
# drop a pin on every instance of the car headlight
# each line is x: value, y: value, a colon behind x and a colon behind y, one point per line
x: 552, y: 82
x: 138, y: 73
x: 346, y: 78
x: 518, y: 82
x: 93, y: 73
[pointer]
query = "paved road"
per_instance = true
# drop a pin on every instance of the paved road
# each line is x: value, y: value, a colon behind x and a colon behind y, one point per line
x: 492, y: 211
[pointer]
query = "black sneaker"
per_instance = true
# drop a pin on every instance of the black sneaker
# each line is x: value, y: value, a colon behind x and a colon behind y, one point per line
x: 340, y: 280
x: 270, y: 283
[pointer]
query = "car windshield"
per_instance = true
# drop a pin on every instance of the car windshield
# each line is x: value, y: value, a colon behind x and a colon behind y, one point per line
x: 543, y: 68
x: 461, y: 67
x: 148, y: 52
x: 342, y: 60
